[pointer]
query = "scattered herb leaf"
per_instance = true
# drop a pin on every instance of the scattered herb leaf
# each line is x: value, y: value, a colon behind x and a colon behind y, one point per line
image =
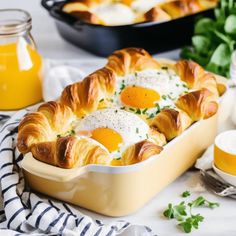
x: 185, y: 194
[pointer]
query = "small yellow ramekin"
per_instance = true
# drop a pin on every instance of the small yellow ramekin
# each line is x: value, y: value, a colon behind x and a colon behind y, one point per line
x: 225, y: 152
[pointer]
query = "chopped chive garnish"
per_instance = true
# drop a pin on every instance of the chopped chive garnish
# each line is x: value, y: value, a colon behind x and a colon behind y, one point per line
x: 166, y: 107
x: 131, y: 109
x: 164, y: 97
x: 101, y: 100
x: 144, y: 111
x: 158, y: 108
x: 122, y: 86
x: 72, y: 132
x: 164, y: 68
x: 138, y: 111
x: 137, y: 131
x: 151, y: 116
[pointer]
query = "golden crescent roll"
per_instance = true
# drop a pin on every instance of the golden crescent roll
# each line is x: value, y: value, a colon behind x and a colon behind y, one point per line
x: 180, y: 8
x: 140, y: 152
x: 83, y: 97
x: 156, y: 14
x: 68, y: 152
x: 195, y: 76
x: 157, y: 137
x: 189, y: 71
x: 200, y: 104
x: 171, y: 122
x: 130, y: 60
x: 81, y: 10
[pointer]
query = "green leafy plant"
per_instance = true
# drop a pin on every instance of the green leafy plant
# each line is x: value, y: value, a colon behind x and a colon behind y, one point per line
x: 182, y: 212
x: 214, y: 40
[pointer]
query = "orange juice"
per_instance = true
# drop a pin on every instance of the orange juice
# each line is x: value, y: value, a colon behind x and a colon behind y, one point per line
x: 20, y: 75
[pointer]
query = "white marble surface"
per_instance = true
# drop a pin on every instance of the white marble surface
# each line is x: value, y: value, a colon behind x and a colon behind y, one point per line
x: 221, y: 221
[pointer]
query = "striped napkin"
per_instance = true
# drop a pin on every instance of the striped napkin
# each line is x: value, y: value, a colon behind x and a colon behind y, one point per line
x: 25, y: 212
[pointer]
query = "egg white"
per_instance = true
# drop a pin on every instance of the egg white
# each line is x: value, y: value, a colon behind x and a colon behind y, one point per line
x: 114, y: 13
x: 144, y: 5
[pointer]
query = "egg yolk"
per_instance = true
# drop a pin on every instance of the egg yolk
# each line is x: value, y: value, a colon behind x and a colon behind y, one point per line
x: 139, y: 97
x: 108, y: 138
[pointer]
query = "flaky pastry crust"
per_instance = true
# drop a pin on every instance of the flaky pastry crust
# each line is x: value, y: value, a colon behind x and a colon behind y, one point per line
x: 199, y: 104
x: 171, y: 122
x: 130, y: 60
x: 140, y: 152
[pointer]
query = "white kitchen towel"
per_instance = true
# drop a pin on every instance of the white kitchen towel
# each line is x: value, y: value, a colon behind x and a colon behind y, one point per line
x: 58, y: 74
x: 25, y: 212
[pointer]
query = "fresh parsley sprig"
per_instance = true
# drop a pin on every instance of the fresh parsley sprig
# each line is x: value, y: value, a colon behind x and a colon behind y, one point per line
x: 182, y: 212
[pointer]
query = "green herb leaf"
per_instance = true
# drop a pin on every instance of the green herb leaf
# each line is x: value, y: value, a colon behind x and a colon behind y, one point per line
x: 185, y: 194
x: 144, y: 111
x: 138, y: 111
x: 221, y: 56
x: 169, y: 212
x: 230, y: 24
x: 180, y: 211
x: 164, y: 97
x: 164, y: 68
x: 151, y: 116
x: 213, y: 205
x: 204, y: 26
x: 197, y: 202
x: 186, y: 226
x: 200, y: 43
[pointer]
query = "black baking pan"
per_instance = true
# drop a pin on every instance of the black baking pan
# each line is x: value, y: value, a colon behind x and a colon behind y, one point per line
x: 103, y: 40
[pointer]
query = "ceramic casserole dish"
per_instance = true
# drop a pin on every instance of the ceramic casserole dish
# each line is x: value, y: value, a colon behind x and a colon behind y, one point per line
x: 105, y: 147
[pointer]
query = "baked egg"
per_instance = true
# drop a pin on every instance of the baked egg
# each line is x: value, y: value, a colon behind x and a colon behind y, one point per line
x: 149, y: 91
x: 113, y: 129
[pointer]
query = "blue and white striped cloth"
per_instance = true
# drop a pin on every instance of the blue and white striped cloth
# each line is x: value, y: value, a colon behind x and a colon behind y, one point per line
x: 24, y: 212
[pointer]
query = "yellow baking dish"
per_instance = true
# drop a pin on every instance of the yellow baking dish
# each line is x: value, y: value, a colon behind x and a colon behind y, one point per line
x: 121, y: 190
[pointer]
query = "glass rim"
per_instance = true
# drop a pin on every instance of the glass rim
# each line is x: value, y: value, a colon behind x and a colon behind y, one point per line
x: 17, y: 26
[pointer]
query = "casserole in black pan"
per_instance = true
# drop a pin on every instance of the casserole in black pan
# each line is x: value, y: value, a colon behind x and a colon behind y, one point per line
x: 103, y: 40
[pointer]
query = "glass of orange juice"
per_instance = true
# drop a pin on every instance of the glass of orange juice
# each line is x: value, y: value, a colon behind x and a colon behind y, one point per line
x: 20, y: 63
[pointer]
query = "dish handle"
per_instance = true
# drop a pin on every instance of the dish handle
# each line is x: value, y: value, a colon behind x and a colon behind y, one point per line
x: 46, y: 171
x: 49, y: 4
